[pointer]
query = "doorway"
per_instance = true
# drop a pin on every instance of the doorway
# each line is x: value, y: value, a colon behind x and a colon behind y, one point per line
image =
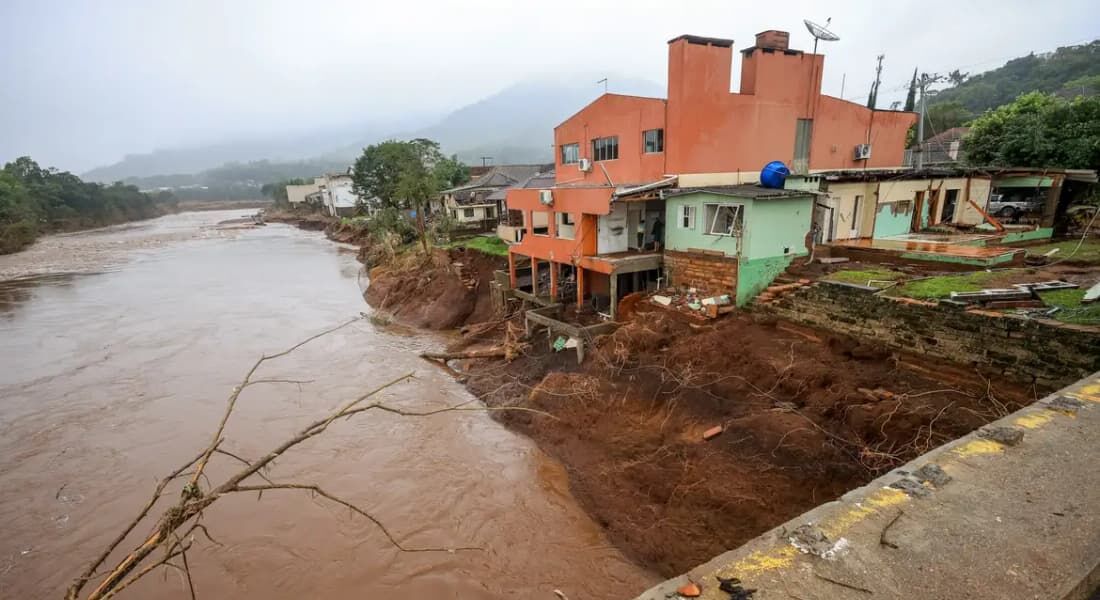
x: 950, y: 203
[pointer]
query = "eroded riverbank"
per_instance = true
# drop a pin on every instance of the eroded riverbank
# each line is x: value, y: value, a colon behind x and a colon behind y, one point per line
x: 111, y: 379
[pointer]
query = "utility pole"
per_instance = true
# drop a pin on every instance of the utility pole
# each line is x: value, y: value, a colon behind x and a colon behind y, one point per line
x: 485, y: 160
x: 925, y: 81
x: 872, y: 100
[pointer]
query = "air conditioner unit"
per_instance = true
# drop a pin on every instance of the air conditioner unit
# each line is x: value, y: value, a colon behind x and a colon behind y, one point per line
x: 546, y: 197
x: 863, y: 151
x: 585, y: 165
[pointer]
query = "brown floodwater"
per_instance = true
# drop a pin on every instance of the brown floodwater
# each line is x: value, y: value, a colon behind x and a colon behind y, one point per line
x: 115, y: 371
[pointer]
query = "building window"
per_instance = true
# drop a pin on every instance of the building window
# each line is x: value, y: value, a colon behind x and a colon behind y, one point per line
x: 723, y: 219
x: 654, y: 140
x: 540, y: 222
x: 570, y: 154
x: 468, y: 213
x: 565, y: 229
x: 605, y: 148
x: 687, y: 217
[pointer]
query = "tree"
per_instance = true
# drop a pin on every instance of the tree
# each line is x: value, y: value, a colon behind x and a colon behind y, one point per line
x: 941, y: 117
x: 956, y: 77
x: 1038, y: 130
x: 911, y: 97
x: 406, y: 175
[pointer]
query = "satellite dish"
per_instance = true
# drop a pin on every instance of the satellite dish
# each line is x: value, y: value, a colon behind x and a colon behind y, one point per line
x: 820, y: 33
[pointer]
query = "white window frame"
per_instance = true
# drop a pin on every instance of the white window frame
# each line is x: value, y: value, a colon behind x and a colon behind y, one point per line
x: 467, y: 213
x: 687, y: 216
x: 738, y: 216
x: 576, y: 153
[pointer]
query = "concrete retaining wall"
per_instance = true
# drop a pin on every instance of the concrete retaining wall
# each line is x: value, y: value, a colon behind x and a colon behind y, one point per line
x: 1046, y: 352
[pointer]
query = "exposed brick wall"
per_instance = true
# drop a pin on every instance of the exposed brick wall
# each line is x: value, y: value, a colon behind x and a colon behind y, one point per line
x: 1049, y: 353
x: 710, y: 273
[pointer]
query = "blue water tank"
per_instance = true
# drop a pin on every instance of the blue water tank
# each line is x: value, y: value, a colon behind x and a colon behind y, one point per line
x: 774, y: 175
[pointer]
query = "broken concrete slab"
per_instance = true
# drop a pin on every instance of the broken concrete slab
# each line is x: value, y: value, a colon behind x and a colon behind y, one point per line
x: 1009, y: 436
x: 932, y: 473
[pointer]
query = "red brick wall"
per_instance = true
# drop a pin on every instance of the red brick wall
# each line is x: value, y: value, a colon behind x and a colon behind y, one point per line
x: 708, y: 273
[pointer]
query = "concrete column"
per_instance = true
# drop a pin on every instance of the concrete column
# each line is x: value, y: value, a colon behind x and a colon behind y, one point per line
x: 553, y: 281
x: 535, y: 276
x: 580, y: 287
x: 614, y: 294
x: 512, y: 269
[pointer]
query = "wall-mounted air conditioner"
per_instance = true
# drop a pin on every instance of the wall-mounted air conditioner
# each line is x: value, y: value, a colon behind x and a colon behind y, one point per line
x: 585, y: 165
x: 863, y: 151
x: 546, y: 197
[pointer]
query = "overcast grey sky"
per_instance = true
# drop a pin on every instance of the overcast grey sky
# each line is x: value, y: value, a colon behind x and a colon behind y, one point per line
x: 83, y: 82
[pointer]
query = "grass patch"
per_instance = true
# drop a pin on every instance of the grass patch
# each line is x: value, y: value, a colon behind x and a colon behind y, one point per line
x: 864, y: 276
x: 1073, y: 311
x: 932, y: 288
x: 1088, y: 253
x: 488, y: 245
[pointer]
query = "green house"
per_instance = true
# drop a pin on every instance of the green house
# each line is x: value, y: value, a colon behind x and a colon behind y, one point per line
x: 734, y: 239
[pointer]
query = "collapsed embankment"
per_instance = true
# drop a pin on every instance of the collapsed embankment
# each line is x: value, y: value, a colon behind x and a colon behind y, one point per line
x: 806, y: 416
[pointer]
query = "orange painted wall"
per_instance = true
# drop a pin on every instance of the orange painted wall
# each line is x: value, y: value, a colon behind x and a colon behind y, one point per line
x: 839, y: 125
x: 608, y: 115
x: 710, y: 130
x: 581, y: 203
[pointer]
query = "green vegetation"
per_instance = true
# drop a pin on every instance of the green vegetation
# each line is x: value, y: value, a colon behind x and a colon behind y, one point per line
x: 405, y: 175
x: 1038, y: 130
x: 1072, y: 309
x: 487, y: 245
x: 236, y: 180
x: 1066, y: 71
x: 1088, y: 253
x: 932, y: 288
x: 865, y: 276
x: 34, y: 200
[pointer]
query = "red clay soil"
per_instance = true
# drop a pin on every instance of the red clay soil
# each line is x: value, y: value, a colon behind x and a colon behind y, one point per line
x: 807, y: 416
x: 444, y: 291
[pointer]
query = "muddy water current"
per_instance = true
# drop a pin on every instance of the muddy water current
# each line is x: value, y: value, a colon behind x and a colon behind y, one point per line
x: 118, y: 348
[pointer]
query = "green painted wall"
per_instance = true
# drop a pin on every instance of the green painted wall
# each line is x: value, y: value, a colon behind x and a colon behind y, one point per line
x: 755, y: 275
x: 774, y: 233
x: 1018, y: 182
x: 1041, y: 233
x: 684, y: 240
x: 773, y: 227
x: 888, y: 224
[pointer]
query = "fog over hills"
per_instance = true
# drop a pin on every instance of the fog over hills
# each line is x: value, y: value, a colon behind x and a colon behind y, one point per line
x: 514, y: 125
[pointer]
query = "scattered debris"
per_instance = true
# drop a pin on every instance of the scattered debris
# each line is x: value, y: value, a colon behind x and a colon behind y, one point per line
x: 733, y: 587
x: 912, y: 487
x: 713, y: 432
x: 842, y: 584
x: 811, y: 540
x: 662, y: 300
x: 832, y: 260
x: 882, y: 536
x: 1009, y: 436
x: 932, y: 473
x: 1066, y: 404
x: 1092, y: 295
x: 689, y: 590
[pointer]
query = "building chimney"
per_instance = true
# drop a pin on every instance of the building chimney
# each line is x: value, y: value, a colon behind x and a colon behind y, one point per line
x: 773, y: 39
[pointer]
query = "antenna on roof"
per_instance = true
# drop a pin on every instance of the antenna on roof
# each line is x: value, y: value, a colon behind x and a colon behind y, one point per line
x: 604, y: 82
x: 820, y: 32
x: 485, y: 160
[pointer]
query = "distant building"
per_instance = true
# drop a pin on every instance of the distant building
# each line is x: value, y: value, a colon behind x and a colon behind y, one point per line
x: 297, y: 194
x: 947, y: 148
x: 339, y: 198
x: 479, y: 203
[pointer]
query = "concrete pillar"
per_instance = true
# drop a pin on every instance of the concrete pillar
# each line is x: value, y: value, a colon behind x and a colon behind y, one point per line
x: 614, y: 294
x: 553, y: 281
x: 580, y: 287
x: 535, y: 276
x: 512, y: 269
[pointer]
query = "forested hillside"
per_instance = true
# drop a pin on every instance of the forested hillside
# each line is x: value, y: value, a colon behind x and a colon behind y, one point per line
x: 34, y: 200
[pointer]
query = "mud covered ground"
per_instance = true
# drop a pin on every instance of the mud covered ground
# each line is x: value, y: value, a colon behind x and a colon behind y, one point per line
x: 444, y: 290
x: 807, y: 416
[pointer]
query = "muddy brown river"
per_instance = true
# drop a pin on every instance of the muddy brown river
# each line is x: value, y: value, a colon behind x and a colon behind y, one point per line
x: 117, y: 350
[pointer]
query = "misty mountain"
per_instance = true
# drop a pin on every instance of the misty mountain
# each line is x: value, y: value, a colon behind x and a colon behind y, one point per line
x: 514, y: 125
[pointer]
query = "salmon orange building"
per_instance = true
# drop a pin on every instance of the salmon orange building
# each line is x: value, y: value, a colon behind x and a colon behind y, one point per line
x: 604, y: 216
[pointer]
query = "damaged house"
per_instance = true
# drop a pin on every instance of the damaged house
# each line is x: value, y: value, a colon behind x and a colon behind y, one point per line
x: 479, y: 203
x: 598, y: 232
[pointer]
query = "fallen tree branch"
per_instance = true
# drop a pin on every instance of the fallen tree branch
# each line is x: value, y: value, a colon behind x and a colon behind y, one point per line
x: 483, y: 353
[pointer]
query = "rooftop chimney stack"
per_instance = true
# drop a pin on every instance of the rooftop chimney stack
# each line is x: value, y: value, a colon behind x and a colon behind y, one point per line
x: 773, y: 39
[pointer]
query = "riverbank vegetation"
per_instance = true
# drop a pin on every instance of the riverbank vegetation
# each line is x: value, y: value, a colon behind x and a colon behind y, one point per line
x: 36, y: 200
